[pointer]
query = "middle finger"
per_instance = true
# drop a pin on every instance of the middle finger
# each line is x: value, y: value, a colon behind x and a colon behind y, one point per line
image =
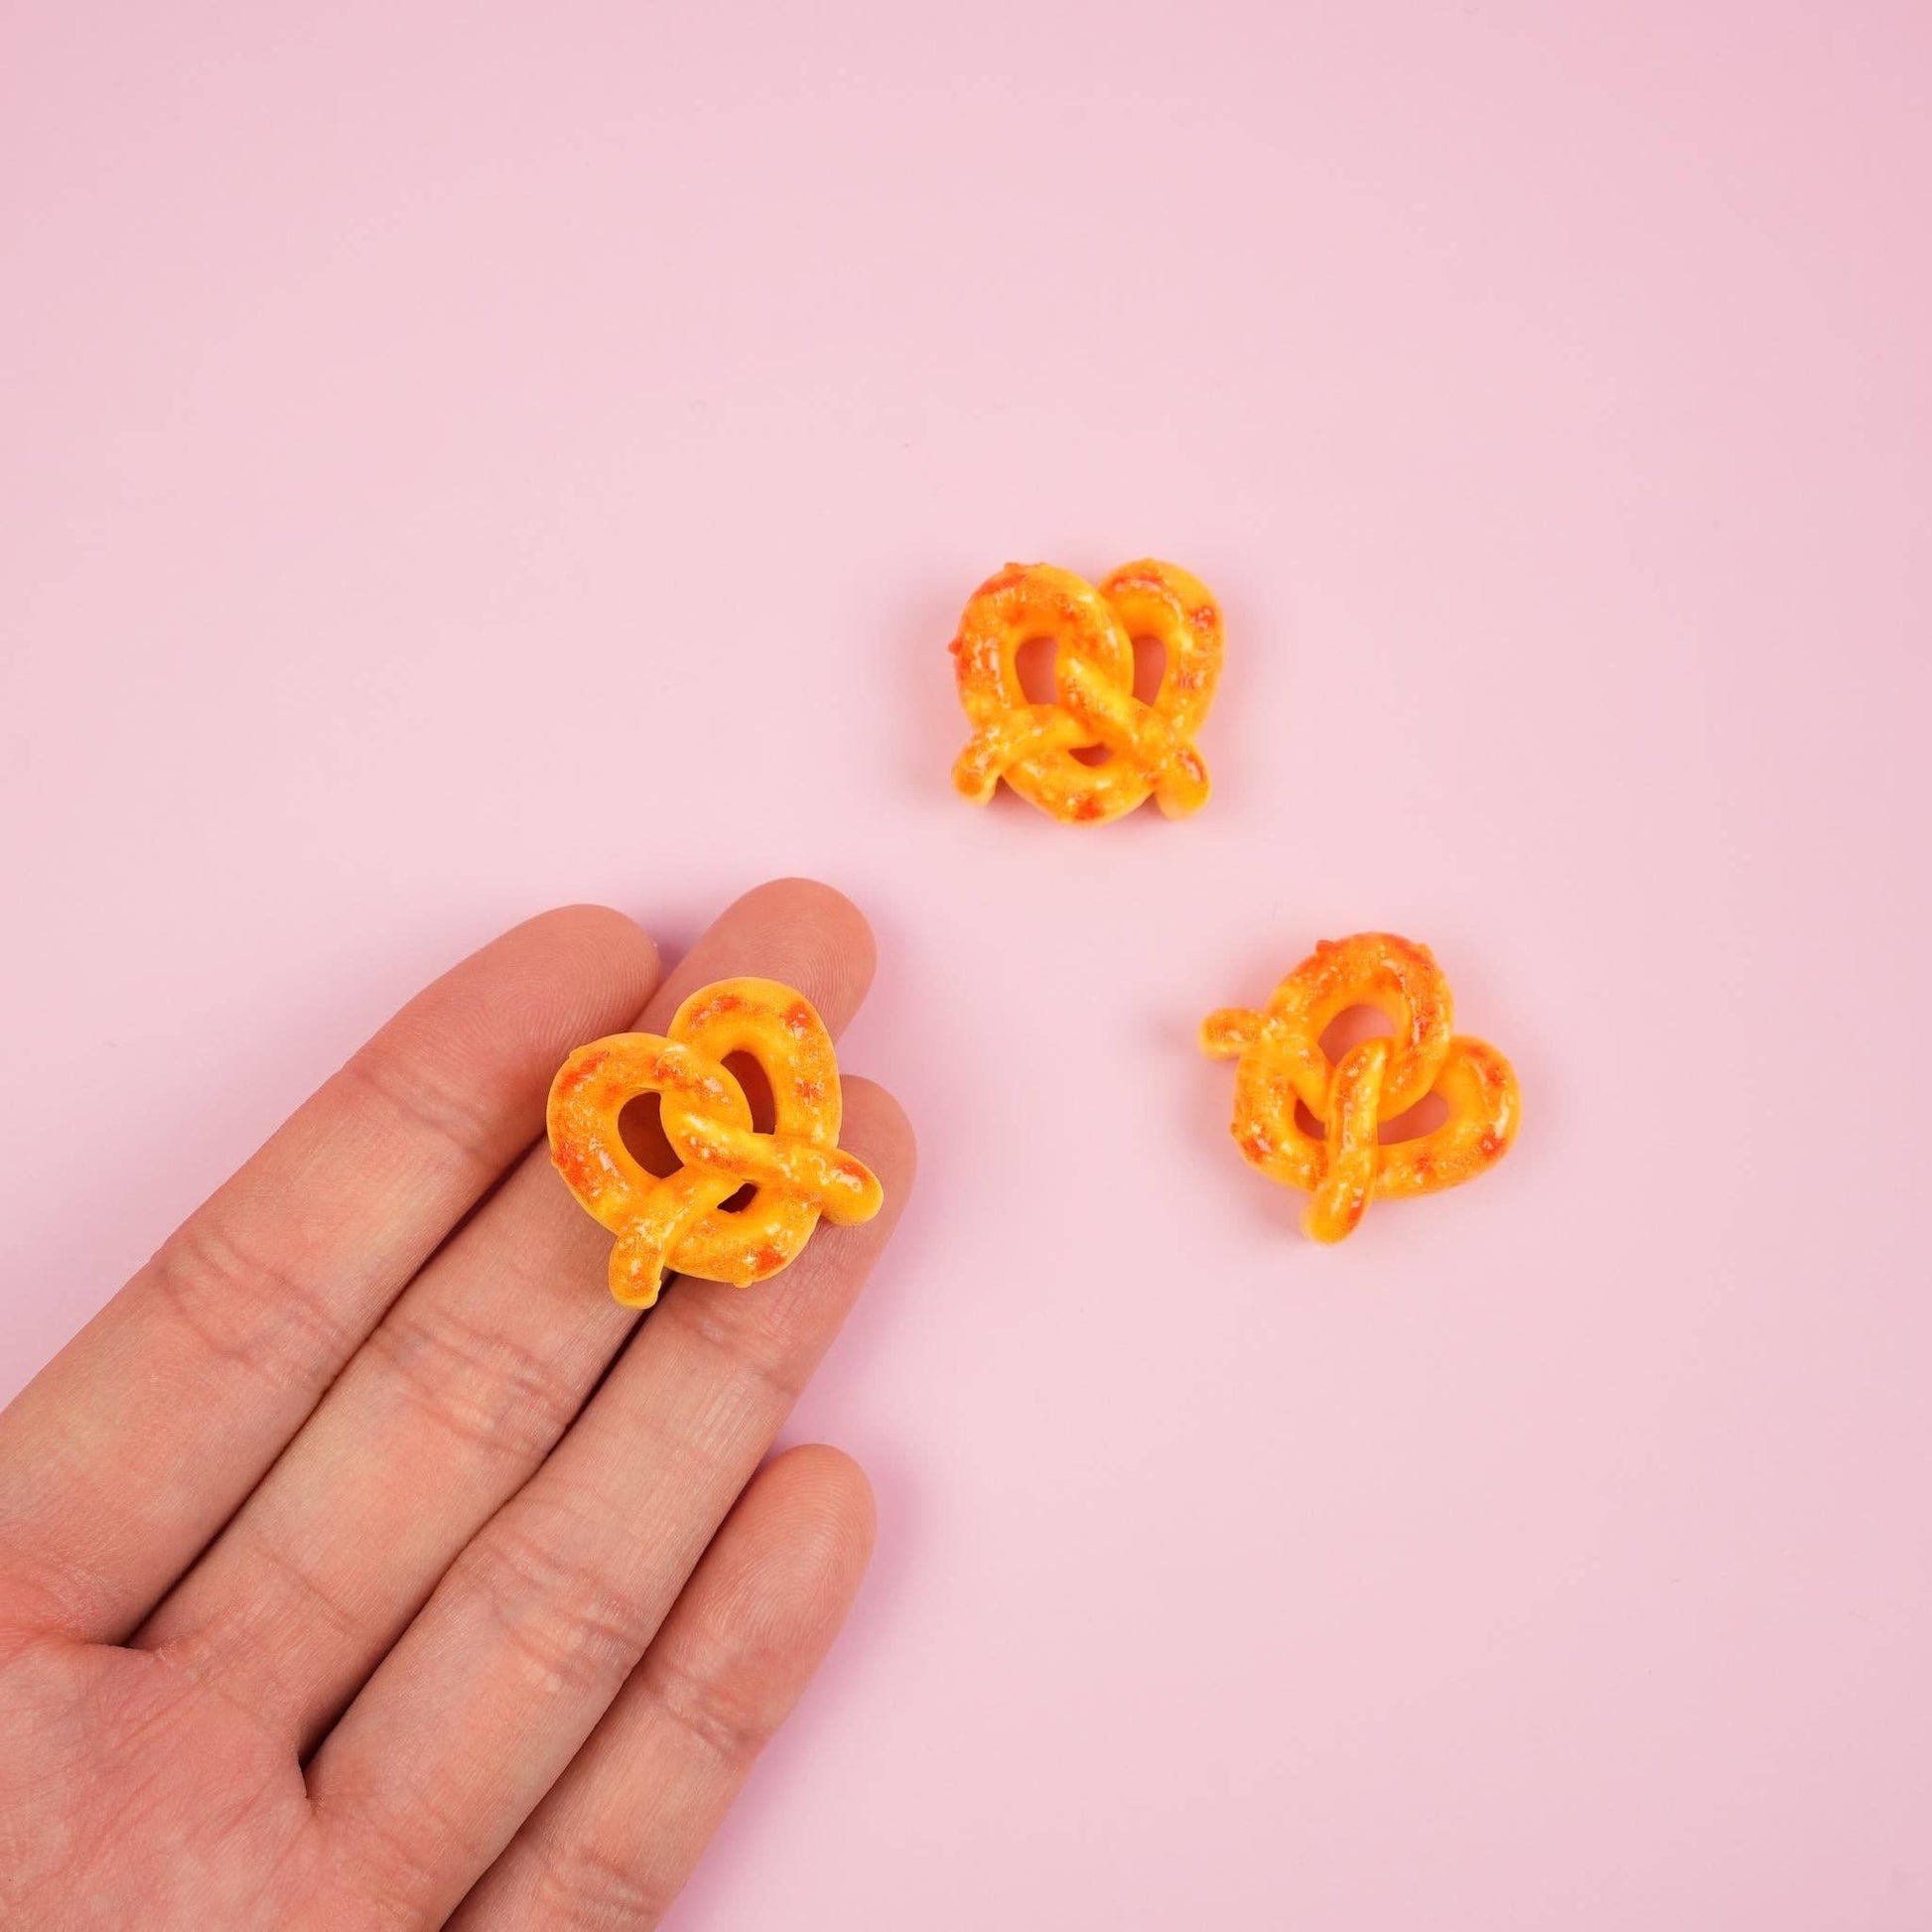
x: 458, y: 1395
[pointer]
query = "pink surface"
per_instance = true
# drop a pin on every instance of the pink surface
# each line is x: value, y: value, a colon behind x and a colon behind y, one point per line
x: 460, y: 459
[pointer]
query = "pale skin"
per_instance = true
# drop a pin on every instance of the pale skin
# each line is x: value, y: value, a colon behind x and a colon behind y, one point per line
x: 362, y: 1564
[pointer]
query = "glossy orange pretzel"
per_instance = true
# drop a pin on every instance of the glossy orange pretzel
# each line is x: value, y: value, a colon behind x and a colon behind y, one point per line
x: 1032, y: 746
x: 1282, y: 1062
x: 674, y: 1221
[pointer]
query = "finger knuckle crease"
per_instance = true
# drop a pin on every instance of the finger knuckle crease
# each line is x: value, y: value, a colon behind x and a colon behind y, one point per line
x: 426, y: 1103
x: 572, y: 1624
x: 482, y: 1385
x: 303, y: 1582
x: 749, y: 1346
x: 585, y: 1887
x: 262, y: 1315
x: 703, y: 1706
x: 397, y: 1857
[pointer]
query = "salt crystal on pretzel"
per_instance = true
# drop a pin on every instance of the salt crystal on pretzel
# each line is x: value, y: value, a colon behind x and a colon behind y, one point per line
x: 1151, y: 749
x: 1281, y: 1062
x: 674, y: 1221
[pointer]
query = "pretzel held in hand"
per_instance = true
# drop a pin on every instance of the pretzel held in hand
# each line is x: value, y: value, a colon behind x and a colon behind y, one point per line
x: 675, y: 1221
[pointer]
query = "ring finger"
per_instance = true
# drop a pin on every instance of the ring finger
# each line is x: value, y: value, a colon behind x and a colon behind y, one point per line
x: 622, y: 1827
x: 536, y: 1626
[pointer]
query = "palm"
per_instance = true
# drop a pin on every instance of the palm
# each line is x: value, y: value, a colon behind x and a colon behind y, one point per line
x: 363, y: 1562
x: 147, y: 1799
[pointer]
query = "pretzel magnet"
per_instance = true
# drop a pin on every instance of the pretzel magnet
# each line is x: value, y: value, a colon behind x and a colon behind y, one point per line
x: 1151, y: 749
x: 676, y: 1221
x: 1281, y: 1062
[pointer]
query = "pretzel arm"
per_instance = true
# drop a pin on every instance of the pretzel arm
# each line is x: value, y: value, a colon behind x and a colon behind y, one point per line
x: 665, y: 1218
x: 1351, y: 1150
x: 587, y: 1100
x: 1029, y: 731
x: 837, y: 1184
x: 1484, y: 1106
x: 1263, y: 1127
x: 1228, y: 1033
x: 1138, y: 735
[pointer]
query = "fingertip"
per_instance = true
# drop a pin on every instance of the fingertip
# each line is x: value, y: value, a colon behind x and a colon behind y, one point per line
x: 819, y: 1502
x: 826, y: 925
x: 600, y: 935
x: 833, y: 1478
x: 804, y: 934
x: 797, y: 896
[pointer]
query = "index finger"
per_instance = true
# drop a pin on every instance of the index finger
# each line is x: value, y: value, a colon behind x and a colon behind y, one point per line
x: 129, y: 1450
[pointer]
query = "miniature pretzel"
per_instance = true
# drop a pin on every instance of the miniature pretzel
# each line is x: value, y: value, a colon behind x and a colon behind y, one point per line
x: 1032, y: 746
x: 1282, y: 1062
x: 675, y: 1222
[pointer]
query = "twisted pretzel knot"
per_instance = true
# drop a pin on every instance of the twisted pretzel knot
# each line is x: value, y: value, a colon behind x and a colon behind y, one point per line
x: 1032, y: 746
x: 1282, y: 1062
x: 674, y: 1221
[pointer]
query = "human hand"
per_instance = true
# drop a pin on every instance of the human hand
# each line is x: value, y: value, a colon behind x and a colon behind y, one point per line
x: 361, y: 1563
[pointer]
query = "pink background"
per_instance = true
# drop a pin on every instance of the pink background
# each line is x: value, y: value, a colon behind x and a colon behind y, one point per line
x: 464, y: 458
